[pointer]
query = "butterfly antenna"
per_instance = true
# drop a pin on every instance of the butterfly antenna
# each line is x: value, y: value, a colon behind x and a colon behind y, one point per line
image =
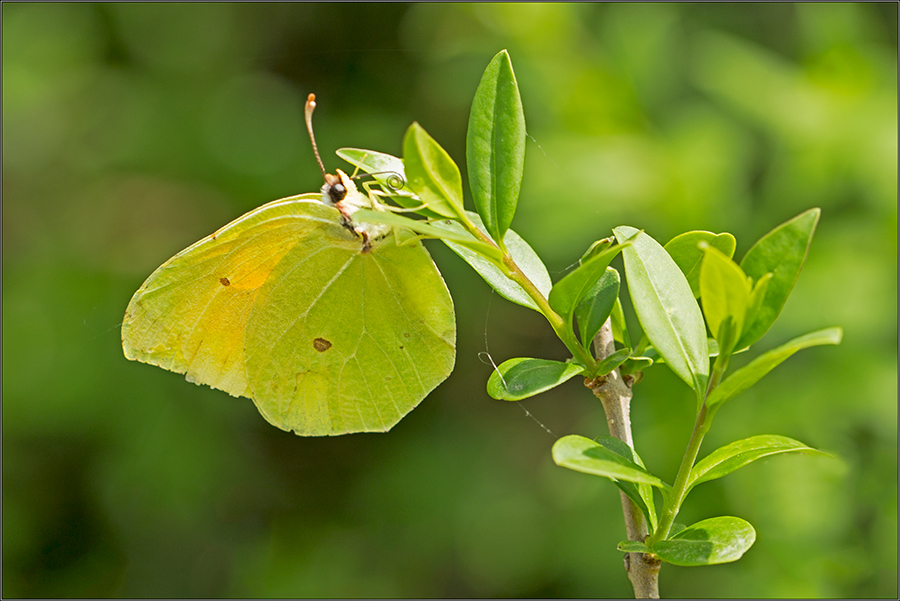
x: 308, y: 111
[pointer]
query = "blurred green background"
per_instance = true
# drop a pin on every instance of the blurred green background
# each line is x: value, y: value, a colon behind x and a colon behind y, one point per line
x: 132, y: 130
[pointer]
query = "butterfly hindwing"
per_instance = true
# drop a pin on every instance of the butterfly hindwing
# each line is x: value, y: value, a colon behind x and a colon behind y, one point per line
x: 375, y: 333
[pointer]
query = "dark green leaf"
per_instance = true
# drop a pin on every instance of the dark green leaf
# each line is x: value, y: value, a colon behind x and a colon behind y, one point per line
x: 584, y: 455
x: 594, y: 309
x: 641, y: 493
x: 431, y: 173
x: 524, y: 256
x: 712, y: 541
x: 495, y: 146
x: 666, y: 307
x: 687, y: 255
x: 633, y: 546
x: 751, y: 373
x: 736, y: 455
x: 782, y: 253
x: 613, y: 361
x: 520, y: 378
x: 577, y: 284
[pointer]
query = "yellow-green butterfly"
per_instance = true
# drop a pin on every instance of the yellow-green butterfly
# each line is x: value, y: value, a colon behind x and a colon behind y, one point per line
x: 328, y: 325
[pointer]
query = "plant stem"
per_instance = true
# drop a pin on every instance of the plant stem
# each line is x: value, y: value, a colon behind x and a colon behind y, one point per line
x: 615, y: 395
x: 701, y: 427
x: 679, y: 489
x: 514, y: 272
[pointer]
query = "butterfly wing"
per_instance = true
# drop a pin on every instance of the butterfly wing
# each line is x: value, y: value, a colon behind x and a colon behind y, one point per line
x: 343, y: 339
x: 190, y: 315
x: 288, y: 307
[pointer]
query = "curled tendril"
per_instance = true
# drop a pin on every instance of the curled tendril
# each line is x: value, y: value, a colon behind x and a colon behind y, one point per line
x: 395, y: 181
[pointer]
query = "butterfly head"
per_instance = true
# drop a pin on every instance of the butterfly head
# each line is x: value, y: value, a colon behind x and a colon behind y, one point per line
x: 339, y: 191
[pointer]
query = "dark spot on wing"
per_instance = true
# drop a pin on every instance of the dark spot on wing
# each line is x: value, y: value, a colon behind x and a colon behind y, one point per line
x: 225, y: 281
x: 321, y: 345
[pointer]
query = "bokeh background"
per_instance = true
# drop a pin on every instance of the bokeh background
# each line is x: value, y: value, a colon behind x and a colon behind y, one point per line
x: 132, y: 130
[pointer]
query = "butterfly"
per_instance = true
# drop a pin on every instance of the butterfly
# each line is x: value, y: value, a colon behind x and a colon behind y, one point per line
x: 330, y: 326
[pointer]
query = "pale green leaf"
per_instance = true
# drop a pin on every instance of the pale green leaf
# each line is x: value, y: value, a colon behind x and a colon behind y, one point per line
x: 724, y: 292
x: 750, y: 374
x: 619, y: 327
x: 426, y: 228
x: 431, y: 173
x: 686, y: 253
x: 736, y: 455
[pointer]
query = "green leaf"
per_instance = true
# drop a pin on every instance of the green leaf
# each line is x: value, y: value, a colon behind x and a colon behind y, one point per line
x: 495, y: 146
x: 613, y: 361
x: 687, y: 255
x: 782, y: 253
x: 736, y: 455
x: 596, y: 248
x: 711, y: 345
x: 520, y: 378
x: 757, y: 295
x: 594, y: 309
x: 676, y: 528
x: 425, y: 228
x: 712, y: 541
x: 579, y: 283
x: 724, y: 291
x: 431, y: 173
x: 633, y: 546
x: 641, y: 493
x: 619, y: 327
x: 635, y: 364
x: 584, y: 455
x: 524, y: 256
x: 750, y: 374
x: 666, y: 307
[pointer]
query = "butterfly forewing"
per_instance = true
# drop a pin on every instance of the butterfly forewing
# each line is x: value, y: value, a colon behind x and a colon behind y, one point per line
x: 190, y: 315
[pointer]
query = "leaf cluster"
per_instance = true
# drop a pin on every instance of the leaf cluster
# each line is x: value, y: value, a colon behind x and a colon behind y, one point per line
x: 738, y: 303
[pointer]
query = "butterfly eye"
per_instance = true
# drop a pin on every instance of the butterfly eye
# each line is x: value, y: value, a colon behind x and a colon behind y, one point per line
x: 337, y: 192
